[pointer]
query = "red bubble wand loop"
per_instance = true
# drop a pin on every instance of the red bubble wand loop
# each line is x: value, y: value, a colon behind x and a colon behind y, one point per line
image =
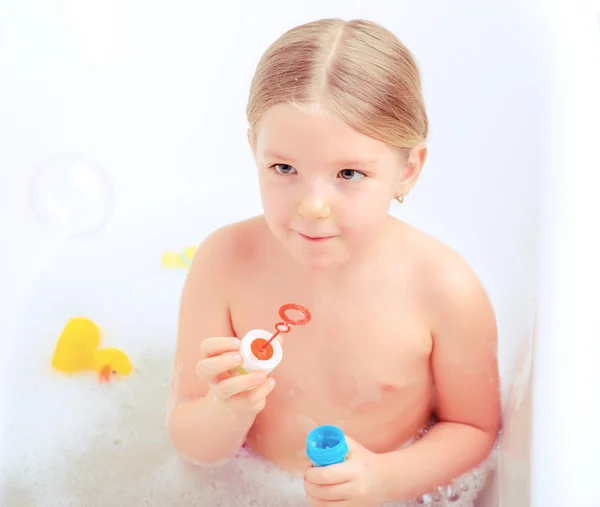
x: 285, y: 326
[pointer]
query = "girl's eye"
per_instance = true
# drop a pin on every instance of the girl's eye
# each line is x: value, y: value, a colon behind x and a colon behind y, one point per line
x: 351, y: 175
x: 284, y: 168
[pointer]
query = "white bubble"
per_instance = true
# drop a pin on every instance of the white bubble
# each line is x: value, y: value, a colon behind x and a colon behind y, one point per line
x: 71, y: 194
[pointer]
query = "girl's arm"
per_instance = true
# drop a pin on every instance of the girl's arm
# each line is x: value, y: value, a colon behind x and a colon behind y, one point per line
x: 201, y: 429
x: 465, y: 371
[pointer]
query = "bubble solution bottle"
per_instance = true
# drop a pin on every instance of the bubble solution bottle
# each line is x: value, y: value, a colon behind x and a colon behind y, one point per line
x: 326, y: 445
x: 255, y: 357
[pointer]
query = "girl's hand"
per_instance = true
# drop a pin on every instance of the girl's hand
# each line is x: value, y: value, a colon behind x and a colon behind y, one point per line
x: 354, y: 483
x: 242, y: 394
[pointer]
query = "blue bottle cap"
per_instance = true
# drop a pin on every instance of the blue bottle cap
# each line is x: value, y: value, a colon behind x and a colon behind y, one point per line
x: 326, y: 445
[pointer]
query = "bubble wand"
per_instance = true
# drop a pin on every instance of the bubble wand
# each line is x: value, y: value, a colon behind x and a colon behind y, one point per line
x: 287, y: 322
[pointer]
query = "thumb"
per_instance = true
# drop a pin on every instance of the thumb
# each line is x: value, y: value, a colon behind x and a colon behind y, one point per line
x: 353, y: 446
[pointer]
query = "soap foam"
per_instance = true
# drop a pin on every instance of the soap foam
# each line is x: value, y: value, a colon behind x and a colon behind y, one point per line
x: 74, y: 442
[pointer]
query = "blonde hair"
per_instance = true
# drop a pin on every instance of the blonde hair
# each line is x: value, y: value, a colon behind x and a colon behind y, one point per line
x: 356, y: 70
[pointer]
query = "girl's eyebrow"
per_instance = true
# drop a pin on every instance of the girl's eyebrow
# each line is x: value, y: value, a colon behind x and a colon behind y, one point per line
x: 278, y: 156
x: 355, y: 163
x: 345, y: 163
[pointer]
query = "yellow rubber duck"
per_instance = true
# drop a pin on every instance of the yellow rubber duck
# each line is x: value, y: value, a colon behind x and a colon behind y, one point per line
x: 77, y: 351
x: 179, y: 259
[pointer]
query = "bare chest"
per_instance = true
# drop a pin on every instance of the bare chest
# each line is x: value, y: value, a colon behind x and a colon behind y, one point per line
x: 361, y: 356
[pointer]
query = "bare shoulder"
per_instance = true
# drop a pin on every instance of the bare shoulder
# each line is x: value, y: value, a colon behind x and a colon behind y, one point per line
x: 445, y: 278
x: 229, y: 247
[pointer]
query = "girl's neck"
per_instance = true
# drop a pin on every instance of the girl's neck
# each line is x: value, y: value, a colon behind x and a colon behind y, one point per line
x: 361, y: 265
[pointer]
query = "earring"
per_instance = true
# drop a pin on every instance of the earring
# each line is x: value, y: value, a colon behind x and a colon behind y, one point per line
x: 400, y: 198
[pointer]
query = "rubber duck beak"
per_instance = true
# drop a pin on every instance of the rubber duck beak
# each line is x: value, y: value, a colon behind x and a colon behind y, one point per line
x: 104, y: 374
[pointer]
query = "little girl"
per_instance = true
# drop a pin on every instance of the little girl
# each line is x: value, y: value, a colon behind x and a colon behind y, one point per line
x: 401, y: 349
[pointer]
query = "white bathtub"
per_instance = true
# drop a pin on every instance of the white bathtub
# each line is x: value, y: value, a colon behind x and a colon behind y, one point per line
x: 140, y: 103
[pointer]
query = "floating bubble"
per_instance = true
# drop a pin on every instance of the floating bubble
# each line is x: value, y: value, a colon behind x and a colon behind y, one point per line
x: 71, y: 194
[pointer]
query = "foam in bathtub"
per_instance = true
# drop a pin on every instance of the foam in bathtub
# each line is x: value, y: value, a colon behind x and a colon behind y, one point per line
x: 77, y: 350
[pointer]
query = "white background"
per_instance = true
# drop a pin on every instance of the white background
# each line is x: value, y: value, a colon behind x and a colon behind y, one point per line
x: 155, y: 94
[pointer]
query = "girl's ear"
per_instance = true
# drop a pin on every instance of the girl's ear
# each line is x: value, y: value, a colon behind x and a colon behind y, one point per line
x: 412, y: 169
x: 415, y: 163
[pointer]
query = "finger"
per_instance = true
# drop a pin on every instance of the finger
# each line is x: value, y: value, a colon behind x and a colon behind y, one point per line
x: 335, y: 493
x: 209, y: 369
x: 261, y: 391
x: 215, y: 346
x: 338, y: 473
x: 253, y: 400
x: 239, y: 384
x: 315, y: 502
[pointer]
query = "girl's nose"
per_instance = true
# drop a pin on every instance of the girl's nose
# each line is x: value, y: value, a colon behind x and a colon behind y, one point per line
x: 314, y: 206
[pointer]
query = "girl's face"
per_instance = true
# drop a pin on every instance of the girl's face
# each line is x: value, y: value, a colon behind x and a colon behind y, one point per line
x: 325, y: 188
